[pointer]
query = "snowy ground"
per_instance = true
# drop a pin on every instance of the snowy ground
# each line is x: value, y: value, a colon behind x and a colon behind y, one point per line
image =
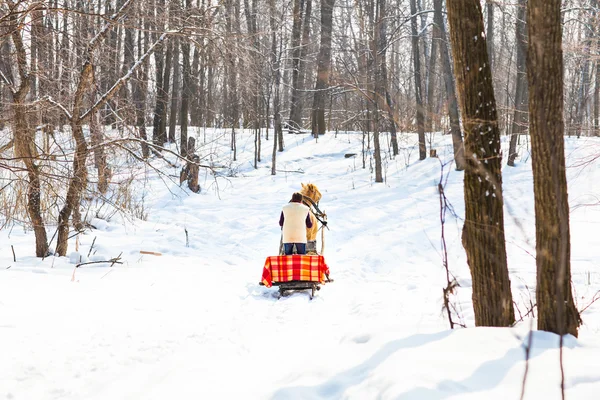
x: 194, y: 324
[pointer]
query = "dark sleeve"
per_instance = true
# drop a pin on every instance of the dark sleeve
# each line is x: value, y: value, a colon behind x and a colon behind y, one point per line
x: 281, y: 220
x: 308, y: 221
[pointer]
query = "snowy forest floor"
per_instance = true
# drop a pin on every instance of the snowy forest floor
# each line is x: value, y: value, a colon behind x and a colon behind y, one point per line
x: 193, y: 323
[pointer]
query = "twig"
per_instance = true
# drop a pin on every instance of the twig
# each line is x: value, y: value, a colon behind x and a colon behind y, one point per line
x: 13, y: 251
x: 527, y: 354
x: 109, y: 271
x: 113, y: 261
x: 595, y: 298
x: 92, y: 246
x: 451, y: 283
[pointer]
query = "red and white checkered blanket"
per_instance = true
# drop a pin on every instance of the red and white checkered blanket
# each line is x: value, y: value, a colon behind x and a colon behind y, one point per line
x: 294, y: 268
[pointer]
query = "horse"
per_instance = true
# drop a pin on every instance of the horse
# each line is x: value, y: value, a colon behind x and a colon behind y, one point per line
x: 311, y: 197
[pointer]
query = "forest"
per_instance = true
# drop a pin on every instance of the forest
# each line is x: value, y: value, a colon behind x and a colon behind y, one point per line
x: 83, y: 81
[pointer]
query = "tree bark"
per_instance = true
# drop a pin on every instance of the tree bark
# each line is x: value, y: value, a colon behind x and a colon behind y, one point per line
x: 453, y: 114
x: 556, y: 309
x: 483, y: 230
x: 435, y: 38
x: 490, y: 30
x: 295, y: 120
x: 520, y: 118
x: 323, y: 69
x: 174, y: 92
x: 24, y: 138
x: 185, y: 94
x: 158, y: 135
x: 417, y: 77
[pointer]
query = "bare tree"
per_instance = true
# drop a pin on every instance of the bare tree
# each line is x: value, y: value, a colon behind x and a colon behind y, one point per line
x: 24, y: 135
x: 78, y: 114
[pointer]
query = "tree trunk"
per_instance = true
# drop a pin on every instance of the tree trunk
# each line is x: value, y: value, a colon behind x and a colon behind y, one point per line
x: 323, y: 69
x: 556, y: 310
x: 453, y: 115
x: 24, y: 140
x: 185, y: 94
x: 417, y: 76
x: 163, y: 93
x: 139, y: 92
x: 174, y: 92
x: 435, y: 38
x: 96, y: 138
x: 520, y: 119
x: 295, y: 120
x: 159, y: 136
x: 75, y: 187
x: 275, y: 67
x: 483, y: 230
x: 490, y: 30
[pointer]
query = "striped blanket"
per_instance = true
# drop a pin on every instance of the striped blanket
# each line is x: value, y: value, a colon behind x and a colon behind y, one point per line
x: 294, y: 268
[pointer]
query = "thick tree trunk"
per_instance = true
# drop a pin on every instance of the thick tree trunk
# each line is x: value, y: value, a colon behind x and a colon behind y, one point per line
x: 556, y: 310
x: 417, y: 76
x: 483, y: 231
x: 323, y: 69
x: 521, y: 118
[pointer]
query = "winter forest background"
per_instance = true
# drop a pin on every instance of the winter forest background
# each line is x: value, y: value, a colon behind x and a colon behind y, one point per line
x: 96, y: 96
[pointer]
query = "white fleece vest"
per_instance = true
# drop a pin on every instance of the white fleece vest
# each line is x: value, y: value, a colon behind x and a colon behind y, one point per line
x: 294, y: 223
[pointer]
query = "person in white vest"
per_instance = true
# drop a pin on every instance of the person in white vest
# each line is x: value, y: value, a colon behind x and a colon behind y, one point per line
x: 294, y: 219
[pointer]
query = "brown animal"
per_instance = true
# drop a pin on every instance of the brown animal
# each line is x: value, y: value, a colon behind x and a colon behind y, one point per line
x: 312, y: 192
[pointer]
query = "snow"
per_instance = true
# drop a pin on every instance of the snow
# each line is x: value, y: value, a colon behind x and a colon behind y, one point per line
x: 193, y: 323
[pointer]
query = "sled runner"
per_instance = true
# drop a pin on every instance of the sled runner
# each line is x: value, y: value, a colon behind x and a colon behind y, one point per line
x: 295, y: 272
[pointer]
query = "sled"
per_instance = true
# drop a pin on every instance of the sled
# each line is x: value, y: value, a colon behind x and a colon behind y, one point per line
x: 295, y: 272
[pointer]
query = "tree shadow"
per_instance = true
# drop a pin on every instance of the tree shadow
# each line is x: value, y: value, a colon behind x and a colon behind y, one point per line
x: 490, y: 373
x: 335, y: 387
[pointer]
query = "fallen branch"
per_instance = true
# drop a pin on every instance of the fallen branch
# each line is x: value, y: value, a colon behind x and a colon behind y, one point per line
x: 113, y: 261
x: 152, y: 253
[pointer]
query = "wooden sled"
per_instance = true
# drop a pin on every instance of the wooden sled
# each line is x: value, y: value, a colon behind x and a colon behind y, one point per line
x: 295, y: 272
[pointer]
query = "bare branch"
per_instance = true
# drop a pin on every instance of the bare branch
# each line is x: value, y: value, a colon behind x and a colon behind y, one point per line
x: 111, y: 92
x: 50, y: 100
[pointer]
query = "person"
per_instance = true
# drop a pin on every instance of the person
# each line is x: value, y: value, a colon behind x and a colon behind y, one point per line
x: 294, y: 219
